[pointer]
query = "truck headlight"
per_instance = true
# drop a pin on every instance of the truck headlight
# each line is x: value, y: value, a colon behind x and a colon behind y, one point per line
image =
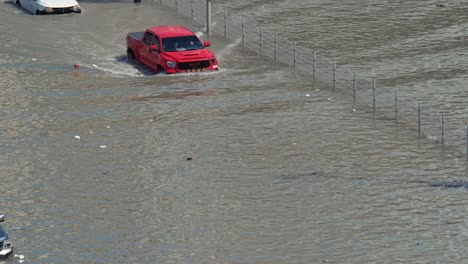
x: 171, y: 64
x: 48, y: 9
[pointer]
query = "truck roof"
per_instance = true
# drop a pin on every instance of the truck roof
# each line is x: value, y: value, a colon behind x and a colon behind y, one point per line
x: 171, y: 31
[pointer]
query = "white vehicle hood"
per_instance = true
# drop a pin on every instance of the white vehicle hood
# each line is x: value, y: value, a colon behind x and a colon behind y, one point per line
x: 57, y: 3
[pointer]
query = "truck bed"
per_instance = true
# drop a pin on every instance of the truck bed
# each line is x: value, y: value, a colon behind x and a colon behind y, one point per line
x: 136, y: 35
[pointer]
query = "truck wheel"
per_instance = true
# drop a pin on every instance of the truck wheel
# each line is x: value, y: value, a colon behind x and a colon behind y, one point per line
x: 130, y: 55
x: 159, y: 69
x: 37, y: 12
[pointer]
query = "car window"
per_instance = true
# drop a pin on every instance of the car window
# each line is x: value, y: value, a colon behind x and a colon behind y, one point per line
x: 181, y: 43
x: 147, y: 39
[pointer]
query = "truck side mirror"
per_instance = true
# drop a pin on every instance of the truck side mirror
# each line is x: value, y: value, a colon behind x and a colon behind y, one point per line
x: 2, y: 218
x: 207, y: 44
x: 154, y: 48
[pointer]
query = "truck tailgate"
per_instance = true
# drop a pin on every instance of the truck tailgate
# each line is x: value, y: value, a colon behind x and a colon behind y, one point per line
x: 136, y: 35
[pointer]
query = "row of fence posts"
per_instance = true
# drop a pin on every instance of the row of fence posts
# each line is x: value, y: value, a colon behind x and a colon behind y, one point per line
x: 334, y: 68
x: 334, y: 65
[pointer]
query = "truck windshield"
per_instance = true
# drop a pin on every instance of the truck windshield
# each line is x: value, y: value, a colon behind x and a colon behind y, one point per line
x: 181, y: 43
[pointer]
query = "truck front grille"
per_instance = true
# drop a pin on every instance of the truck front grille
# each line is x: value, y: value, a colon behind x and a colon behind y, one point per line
x: 193, y: 65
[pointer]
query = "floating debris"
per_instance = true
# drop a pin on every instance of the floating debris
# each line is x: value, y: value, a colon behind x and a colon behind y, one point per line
x: 77, y: 137
x: 189, y: 158
x: 76, y: 65
x: 307, y: 95
x: 103, y: 146
x: 450, y: 184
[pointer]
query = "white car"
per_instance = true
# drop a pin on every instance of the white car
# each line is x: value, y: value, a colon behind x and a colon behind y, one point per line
x: 44, y: 7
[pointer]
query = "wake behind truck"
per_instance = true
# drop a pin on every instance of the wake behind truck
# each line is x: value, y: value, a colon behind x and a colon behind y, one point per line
x: 170, y: 49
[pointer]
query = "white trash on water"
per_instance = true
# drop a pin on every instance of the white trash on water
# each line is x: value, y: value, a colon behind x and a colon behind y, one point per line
x: 307, y: 95
x: 77, y: 137
x: 103, y: 146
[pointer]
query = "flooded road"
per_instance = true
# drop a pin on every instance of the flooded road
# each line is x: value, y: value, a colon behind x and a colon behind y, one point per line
x: 236, y: 166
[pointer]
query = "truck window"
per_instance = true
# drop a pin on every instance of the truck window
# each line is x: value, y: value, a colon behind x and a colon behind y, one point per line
x: 147, y: 39
x: 181, y: 43
x: 156, y: 41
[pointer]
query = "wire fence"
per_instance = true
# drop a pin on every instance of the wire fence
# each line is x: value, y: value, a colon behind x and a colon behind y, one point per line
x: 446, y: 128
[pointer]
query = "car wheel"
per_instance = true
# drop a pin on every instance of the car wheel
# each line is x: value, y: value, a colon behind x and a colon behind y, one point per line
x: 130, y: 55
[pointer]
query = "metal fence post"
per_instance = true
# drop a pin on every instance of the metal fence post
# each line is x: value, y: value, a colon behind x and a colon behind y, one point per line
x: 176, y: 4
x: 276, y: 46
x: 295, y: 51
x: 373, y: 95
x: 225, y: 22
x: 191, y: 8
x: 443, y: 130
x: 354, y: 89
x: 419, y: 120
x: 243, y: 31
x: 208, y: 17
x: 334, y: 74
x: 396, y: 107
x: 260, y: 41
x: 466, y: 141
x: 314, y: 61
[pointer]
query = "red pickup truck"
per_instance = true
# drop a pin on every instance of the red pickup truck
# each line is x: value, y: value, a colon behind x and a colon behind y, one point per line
x: 170, y: 49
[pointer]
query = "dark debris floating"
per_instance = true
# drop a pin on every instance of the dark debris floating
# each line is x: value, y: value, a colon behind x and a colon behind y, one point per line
x: 450, y: 184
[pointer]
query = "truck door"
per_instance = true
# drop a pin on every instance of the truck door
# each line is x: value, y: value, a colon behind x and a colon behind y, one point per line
x: 144, y: 49
x: 154, y: 55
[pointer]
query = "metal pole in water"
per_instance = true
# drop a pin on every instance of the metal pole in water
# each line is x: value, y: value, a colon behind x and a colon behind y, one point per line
x: 443, y: 131
x: 176, y: 5
x: 396, y: 107
x: 295, y: 51
x: 191, y: 8
x: 334, y: 74
x: 314, y: 60
x: 373, y: 95
x: 261, y: 36
x: 354, y: 89
x: 208, y: 17
x: 243, y: 31
x: 225, y: 22
x: 419, y: 120
x: 276, y: 46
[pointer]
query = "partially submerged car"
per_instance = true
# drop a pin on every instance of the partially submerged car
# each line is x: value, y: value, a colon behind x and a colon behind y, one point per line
x: 45, y: 7
x: 170, y: 49
x: 6, y: 247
